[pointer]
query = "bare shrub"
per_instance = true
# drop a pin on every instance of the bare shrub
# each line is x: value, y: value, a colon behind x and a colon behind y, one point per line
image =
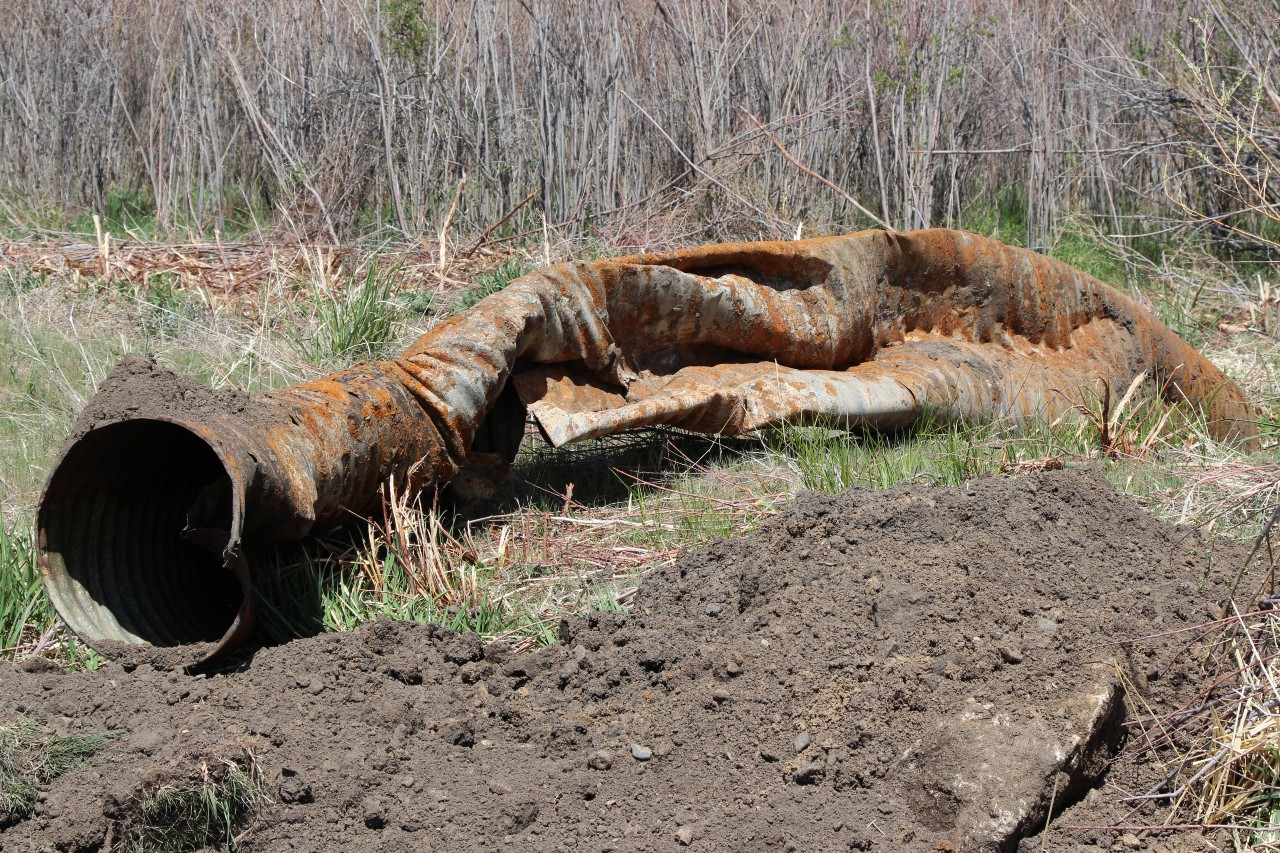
x: 336, y: 118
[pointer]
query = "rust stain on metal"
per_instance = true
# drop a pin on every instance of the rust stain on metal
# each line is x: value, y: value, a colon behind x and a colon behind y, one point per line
x: 868, y: 329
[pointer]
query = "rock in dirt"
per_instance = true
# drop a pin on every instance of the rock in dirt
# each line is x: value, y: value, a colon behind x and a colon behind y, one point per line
x: 899, y: 630
x: 810, y: 773
x: 374, y: 813
x: 294, y: 789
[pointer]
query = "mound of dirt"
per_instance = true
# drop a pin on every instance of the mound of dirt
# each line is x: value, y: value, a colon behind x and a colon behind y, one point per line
x: 921, y: 669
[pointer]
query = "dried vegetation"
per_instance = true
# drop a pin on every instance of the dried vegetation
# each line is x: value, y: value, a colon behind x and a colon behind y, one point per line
x: 256, y: 191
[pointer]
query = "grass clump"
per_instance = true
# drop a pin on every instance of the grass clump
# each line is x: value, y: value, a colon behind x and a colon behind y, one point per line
x: 165, y: 309
x: 25, y: 611
x: 938, y: 452
x: 31, y: 757
x: 201, y: 814
x: 416, y: 565
x: 491, y: 282
x: 353, y: 319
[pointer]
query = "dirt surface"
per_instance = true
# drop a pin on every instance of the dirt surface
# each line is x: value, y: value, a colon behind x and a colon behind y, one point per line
x: 921, y: 669
x: 138, y: 387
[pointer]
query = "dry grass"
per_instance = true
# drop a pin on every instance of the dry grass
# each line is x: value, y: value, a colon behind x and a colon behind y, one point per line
x: 452, y: 141
x: 1220, y: 752
x: 238, y: 274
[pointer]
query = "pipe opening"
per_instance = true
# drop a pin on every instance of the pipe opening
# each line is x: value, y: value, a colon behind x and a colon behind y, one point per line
x: 132, y: 526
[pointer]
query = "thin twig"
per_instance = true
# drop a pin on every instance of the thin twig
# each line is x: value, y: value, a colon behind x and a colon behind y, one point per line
x: 802, y: 167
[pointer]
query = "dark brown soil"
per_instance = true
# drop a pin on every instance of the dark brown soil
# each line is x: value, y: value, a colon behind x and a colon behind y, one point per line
x: 890, y: 671
x: 138, y: 387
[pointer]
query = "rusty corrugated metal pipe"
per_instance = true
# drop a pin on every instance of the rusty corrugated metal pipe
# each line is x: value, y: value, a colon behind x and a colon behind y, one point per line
x: 146, y: 513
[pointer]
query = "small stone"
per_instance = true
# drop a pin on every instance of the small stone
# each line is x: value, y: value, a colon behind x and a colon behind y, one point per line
x: 1130, y: 841
x: 811, y: 773
x: 940, y: 665
x: 641, y: 753
x: 721, y: 695
x: 294, y: 790
x: 406, y: 781
x: 714, y: 609
x: 1010, y: 653
x: 802, y: 741
x: 600, y: 760
x: 374, y: 817
x: 685, y: 835
x: 1047, y: 625
x: 1153, y: 672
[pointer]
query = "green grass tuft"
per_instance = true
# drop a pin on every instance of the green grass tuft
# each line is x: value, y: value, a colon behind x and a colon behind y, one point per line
x: 31, y: 757
x: 417, y: 303
x: 166, y: 310
x: 490, y: 283
x: 25, y: 611
x: 419, y: 571
x: 354, y: 321
x: 938, y: 452
x: 203, y: 814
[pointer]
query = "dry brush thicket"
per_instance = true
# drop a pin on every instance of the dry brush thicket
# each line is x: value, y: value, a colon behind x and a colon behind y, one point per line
x: 337, y: 117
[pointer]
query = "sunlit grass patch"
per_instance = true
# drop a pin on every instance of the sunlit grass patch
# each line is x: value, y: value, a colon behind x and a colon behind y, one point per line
x: 31, y: 756
x: 206, y: 812
x: 491, y: 282
x: 25, y: 611
x: 354, y: 313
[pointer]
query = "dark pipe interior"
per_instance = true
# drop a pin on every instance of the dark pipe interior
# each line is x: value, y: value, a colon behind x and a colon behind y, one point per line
x: 138, y: 512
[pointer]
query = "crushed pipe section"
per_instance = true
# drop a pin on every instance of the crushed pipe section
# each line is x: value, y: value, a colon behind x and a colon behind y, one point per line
x: 145, y: 516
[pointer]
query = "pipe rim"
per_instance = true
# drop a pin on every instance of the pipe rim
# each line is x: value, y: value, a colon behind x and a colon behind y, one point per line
x: 91, y: 615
